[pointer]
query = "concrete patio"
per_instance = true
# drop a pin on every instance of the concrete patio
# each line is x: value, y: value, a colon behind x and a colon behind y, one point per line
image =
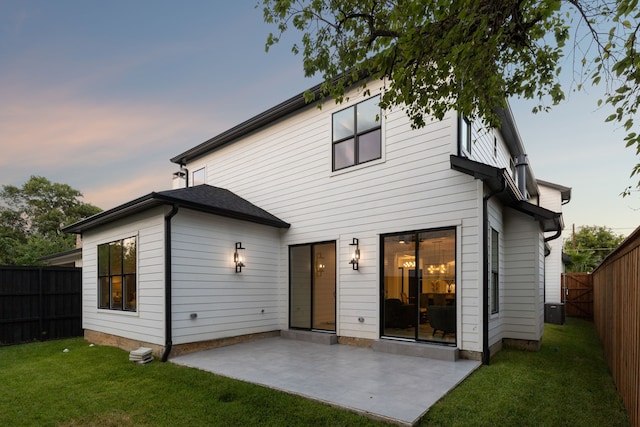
x: 390, y: 387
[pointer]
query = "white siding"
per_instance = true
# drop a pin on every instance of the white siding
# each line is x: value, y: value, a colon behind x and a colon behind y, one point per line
x: 286, y: 169
x: 552, y: 199
x: 523, y: 278
x: 496, y: 321
x: 483, y: 150
x: 147, y: 323
x: 204, y: 281
x: 469, y: 286
x: 541, y: 284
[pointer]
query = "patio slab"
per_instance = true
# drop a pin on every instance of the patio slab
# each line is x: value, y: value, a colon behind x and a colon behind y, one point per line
x: 385, y: 386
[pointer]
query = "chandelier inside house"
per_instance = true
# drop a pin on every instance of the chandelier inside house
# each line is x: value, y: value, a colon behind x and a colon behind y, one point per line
x: 440, y: 267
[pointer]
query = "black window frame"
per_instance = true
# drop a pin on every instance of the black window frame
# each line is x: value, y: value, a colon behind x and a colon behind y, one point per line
x: 495, y: 272
x: 464, y: 135
x: 356, y: 136
x: 313, y: 274
x: 495, y: 146
x: 128, y: 279
x: 417, y: 255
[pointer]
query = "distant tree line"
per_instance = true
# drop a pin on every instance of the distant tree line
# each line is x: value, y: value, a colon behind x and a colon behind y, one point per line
x: 589, y: 246
x: 32, y: 216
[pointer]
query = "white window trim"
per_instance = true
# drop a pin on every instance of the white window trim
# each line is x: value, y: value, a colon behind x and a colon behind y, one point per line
x: 204, y: 173
x: 466, y: 147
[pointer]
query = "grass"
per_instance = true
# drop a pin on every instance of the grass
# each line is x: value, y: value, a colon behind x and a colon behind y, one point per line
x: 566, y: 383
x: 40, y: 385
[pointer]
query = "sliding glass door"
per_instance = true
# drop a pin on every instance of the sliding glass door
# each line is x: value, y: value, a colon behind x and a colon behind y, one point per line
x: 418, y: 285
x: 312, y: 286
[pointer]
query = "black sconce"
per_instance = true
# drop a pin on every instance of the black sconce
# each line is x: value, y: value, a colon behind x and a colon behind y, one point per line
x: 238, y: 257
x: 355, y: 253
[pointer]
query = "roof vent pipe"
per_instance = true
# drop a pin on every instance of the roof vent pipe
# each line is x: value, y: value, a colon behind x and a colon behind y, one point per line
x: 521, y: 169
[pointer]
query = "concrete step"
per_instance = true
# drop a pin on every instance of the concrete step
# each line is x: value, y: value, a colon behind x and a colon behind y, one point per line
x: 429, y: 351
x: 310, y: 336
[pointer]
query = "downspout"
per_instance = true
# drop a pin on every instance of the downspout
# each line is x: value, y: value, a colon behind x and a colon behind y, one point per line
x: 486, y: 353
x: 186, y: 173
x: 554, y: 237
x: 167, y: 282
x: 548, y: 239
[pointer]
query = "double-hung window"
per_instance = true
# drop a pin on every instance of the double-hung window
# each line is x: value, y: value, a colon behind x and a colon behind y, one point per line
x: 357, y: 136
x: 495, y: 265
x: 117, y: 275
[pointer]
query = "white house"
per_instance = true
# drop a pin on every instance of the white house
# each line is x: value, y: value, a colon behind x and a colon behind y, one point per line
x: 339, y: 224
x: 553, y: 196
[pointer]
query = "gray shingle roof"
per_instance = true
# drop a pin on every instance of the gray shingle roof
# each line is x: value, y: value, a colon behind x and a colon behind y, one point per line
x: 203, y: 198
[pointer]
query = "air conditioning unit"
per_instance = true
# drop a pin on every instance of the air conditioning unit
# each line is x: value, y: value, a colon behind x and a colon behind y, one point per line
x: 554, y: 313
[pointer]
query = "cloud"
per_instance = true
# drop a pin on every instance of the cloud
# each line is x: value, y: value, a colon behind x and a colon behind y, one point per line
x: 102, y: 149
x: 126, y: 187
x: 57, y: 131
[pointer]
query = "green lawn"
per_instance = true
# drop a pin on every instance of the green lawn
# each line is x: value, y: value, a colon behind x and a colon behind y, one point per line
x: 40, y: 385
x: 566, y: 383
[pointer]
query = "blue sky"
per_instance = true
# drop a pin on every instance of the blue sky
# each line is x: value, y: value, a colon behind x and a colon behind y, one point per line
x: 100, y: 95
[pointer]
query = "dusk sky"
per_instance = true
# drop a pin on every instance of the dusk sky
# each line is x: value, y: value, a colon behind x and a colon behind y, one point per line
x: 100, y: 95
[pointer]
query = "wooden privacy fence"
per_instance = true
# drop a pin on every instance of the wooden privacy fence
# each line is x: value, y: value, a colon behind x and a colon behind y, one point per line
x: 577, y: 295
x: 40, y: 303
x: 616, y: 285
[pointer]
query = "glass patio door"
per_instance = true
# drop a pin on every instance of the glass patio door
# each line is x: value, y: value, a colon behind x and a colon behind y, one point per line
x: 312, y: 286
x: 418, y: 285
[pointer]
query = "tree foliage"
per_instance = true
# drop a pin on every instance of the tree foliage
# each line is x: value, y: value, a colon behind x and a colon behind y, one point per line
x: 467, y: 55
x: 32, y: 216
x: 589, y: 246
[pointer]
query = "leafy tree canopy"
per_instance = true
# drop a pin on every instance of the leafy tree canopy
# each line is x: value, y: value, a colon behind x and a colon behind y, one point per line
x: 589, y: 246
x: 32, y: 216
x: 467, y: 55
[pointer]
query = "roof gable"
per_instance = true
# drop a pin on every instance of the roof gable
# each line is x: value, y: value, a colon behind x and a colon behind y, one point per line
x: 298, y: 102
x: 203, y: 198
x: 565, y: 192
x: 277, y: 112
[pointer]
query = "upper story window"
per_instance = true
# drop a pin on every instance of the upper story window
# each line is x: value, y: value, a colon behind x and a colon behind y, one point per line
x: 465, y: 135
x: 117, y: 262
x: 198, y: 177
x: 357, y: 136
x: 495, y: 147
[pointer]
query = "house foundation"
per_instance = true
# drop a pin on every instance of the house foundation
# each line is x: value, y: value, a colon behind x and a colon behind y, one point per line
x: 127, y: 344
x: 527, y: 345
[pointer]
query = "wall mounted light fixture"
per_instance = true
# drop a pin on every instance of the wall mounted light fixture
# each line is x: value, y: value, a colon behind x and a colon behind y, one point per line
x: 320, y: 266
x: 355, y: 253
x: 238, y: 257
